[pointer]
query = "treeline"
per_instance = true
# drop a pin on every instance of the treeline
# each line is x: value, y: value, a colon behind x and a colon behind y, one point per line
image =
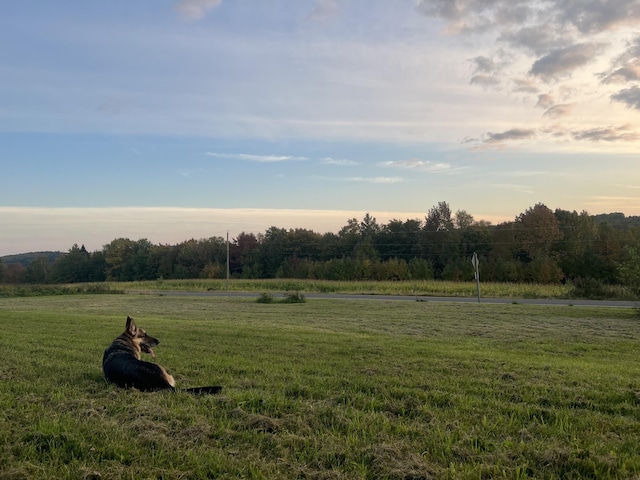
x: 540, y: 245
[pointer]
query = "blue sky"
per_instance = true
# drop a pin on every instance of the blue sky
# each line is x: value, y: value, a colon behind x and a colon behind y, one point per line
x: 175, y: 119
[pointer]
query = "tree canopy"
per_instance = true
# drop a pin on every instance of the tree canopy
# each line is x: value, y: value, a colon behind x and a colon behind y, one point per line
x: 539, y: 245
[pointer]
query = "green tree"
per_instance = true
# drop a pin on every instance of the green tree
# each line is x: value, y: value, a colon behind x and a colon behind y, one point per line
x: 537, y: 231
x: 348, y: 238
x: 97, y: 267
x: 399, y: 239
x: 575, y: 252
x: 502, y: 263
x: 143, y: 265
x: 439, y: 218
x: 243, y: 260
x: 606, y: 253
x: 441, y: 243
x: 118, y: 255
x: 37, y: 271
x: 14, y: 273
x: 463, y: 220
x: 72, y: 267
x: 369, y: 226
x: 194, y: 256
x: 629, y: 269
x: 273, y: 251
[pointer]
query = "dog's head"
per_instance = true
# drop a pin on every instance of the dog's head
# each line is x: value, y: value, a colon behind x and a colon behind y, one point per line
x: 140, y: 338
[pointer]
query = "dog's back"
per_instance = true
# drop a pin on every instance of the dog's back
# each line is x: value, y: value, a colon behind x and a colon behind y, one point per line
x: 121, y: 362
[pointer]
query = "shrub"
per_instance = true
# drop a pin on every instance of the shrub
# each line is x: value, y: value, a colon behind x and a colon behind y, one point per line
x: 294, y: 298
x: 265, y: 298
x: 589, y: 288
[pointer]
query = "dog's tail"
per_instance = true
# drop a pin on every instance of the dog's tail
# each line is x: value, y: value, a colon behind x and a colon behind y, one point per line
x: 201, y: 390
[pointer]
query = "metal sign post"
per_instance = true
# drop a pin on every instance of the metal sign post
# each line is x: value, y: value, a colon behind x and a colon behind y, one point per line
x: 475, y: 263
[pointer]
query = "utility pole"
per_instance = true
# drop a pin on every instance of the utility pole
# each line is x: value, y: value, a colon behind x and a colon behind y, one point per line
x: 227, y: 260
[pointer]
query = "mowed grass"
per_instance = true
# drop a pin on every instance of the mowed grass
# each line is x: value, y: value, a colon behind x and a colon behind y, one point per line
x: 327, y: 389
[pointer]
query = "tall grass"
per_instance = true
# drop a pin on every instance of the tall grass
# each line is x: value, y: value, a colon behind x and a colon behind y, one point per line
x: 29, y: 290
x: 322, y: 389
x: 413, y: 288
x: 422, y: 287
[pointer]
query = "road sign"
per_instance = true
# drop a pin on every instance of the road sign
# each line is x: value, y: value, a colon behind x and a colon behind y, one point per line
x: 475, y: 263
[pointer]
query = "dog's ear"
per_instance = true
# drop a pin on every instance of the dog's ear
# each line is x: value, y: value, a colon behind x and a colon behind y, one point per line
x: 131, y: 328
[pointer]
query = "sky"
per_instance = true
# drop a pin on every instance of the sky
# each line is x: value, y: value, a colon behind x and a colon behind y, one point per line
x: 178, y: 119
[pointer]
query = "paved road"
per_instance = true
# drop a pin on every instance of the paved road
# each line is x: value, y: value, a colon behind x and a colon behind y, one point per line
x: 413, y: 298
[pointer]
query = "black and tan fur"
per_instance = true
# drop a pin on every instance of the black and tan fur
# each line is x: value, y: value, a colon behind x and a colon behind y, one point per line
x: 122, y: 364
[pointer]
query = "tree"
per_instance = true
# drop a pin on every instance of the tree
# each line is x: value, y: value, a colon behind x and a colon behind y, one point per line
x: 369, y: 227
x: 439, y: 218
x: 243, y: 259
x: 118, y: 255
x: 399, y: 239
x: 97, y: 267
x: 463, y: 220
x: 72, y: 267
x: 575, y: 252
x: 14, y: 273
x: 538, y: 230
x: 37, y: 271
x: 273, y: 251
x: 193, y: 256
x: 143, y: 264
x: 629, y: 269
x: 606, y: 253
x: 440, y: 241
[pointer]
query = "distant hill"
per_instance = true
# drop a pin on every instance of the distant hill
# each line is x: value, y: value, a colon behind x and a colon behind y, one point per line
x: 26, y: 258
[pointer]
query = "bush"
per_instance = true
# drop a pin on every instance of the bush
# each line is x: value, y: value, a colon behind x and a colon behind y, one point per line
x: 265, y: 298
x: 294, y: 298
x: 288, y: 298
x: 589, y: 288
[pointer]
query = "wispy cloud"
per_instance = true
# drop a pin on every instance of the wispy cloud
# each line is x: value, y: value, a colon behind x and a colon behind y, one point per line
x: 527, y: 173
x: 561, y: 110
x: 545, y: 100
x: 563, y: 61
x: 608, y: 134
x: 189, y: 172
x: 484, y: 80
x: 256, y: 158
x: 500, y: 138
x: 526, y: 189
x: 424, y: 166
x: 629, y: 96
x: 341, y: 162
x: 324, y: 9
x: 195, y: 9
x: 112, y: 106
x: 376, y: 180
x: 612, y: 203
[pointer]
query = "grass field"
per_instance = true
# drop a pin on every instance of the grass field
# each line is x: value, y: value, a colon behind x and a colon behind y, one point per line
x: 326, y: 389
x: 418, y: 287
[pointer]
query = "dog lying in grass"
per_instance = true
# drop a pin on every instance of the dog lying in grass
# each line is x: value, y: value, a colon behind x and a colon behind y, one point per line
x: 122, y: 364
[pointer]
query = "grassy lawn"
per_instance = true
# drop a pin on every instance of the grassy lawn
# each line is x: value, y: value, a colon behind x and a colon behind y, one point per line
x: 326, y: 389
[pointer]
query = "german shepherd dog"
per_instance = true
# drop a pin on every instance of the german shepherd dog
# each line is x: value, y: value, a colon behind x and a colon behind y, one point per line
x: 121, y: 364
